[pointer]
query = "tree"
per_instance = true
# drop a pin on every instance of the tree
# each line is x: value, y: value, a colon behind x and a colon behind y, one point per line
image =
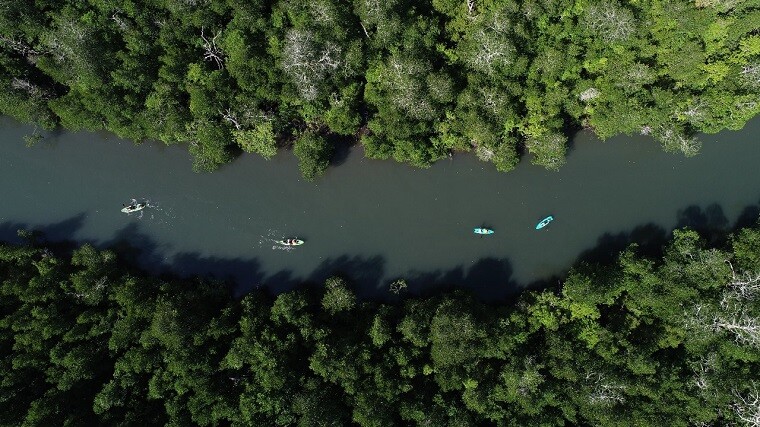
x: 337, y: 296
x: 259, y: 140
x: 209, y: 145
x: 747, y: 407
x: 313, y: 152
x: 309, y: 62
x: 489, y: 48
x: 85, y: 340
x: 548, y: 151
x: 610, y: 21
x: 343, y: 116
x: 674, y: 138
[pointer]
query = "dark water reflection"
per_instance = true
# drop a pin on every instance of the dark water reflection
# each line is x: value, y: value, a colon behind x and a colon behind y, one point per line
x: 374, y: 222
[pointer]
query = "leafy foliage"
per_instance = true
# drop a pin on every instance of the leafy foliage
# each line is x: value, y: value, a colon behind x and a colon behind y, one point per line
x: 672, y: 341
x: 313, y: 152
x: 409, y: 83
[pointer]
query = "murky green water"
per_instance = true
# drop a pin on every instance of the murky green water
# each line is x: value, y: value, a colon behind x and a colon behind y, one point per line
x: 374, y: 221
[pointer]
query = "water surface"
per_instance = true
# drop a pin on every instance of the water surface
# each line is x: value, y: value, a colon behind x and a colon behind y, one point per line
x: 374, y: 221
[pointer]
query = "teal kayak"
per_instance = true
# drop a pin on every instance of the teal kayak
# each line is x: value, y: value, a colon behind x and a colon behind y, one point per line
x: 483, y: 231
x: 544, y: 222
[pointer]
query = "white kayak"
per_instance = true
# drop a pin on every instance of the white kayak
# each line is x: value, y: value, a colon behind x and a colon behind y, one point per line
x: 134, y: 207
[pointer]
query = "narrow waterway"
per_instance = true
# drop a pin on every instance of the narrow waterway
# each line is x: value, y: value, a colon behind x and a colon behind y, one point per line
x: 373, y: 221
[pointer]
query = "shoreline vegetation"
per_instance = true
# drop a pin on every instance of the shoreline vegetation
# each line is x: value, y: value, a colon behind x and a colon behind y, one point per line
x: 673, y: 340
x: 412, y: 81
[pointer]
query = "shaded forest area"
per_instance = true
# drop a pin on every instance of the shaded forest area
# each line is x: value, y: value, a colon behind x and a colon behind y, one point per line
x: 670, y: 341
x: 409, y: 80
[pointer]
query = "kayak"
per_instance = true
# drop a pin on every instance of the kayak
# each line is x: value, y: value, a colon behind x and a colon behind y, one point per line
x: 544, y: 222
x: 134, y: 207
x: 291, y: 242
x: 483, y: 231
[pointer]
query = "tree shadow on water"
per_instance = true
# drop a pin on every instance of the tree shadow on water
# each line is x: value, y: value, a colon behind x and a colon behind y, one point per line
x: 489, y: 279
x: 650, y: 239
x: 341, y: 149
x: 711, y: 222
x: 241, y: 274
x: 57, y: 235
x: 138, y: 250
x: 748, y: 218
x: 135, y: 248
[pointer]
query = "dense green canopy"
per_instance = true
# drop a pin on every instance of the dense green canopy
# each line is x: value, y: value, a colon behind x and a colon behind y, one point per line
x: 662, y: 342
x: 410, y: 80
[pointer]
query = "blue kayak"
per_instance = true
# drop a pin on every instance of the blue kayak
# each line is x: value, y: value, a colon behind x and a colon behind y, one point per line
x: 544, y: 222
x: 483, y: 231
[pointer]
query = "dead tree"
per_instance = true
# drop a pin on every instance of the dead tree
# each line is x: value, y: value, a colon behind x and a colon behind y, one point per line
x: 309, y: 62
x: 701, y: 370
x: 744, y: 328
x: 212, y: 52
x: 375, y: 10
x: 18, y: 46
x: 25, y: 85
x: 695, y: 113
x: 323, y: 12
x: 69, y: 41
x: 406, y: 85
x: 531, y: 377
x: 589, y: 94
x: 610, y: 21
x: 741, y: 288
x: 231, y: 117
x: 673, y: 140
x: 484, y: 152
x: 490, y: 47
x: 731, y: 315
x: 603, y: 390
x: 120, y: 22
x: 751, y: 73
x: 747, y: 407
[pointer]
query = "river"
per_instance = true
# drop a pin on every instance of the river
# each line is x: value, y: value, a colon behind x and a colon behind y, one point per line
x: 372, y: 221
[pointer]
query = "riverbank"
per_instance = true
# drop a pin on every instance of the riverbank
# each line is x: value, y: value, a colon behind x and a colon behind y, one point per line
x: 639, y: 340
x: 495, y: 79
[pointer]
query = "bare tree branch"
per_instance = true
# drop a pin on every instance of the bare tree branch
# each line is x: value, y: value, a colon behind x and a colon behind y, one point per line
x: 364, y: 29
x: 589, y: 94
x: 212, y: 51
x: 229, y: 116
x: 610, y: 20
x: 751, y: 73
x: 701, y: 370
x: 747, y: 407
x: 745, y: 329
x: 673, y: 140
x: 604, y: 391
x: 120, y: 22
x: 308, y: 62
x: 18, y: 46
